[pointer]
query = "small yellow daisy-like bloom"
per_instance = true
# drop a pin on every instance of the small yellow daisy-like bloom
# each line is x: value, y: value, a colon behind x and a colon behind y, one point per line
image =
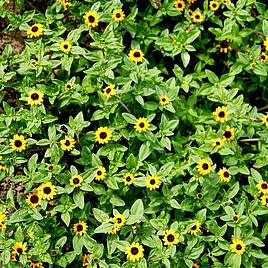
x: 197, y: 16
x: 214, y: 5
x: 30, y: 234
x: 262, y: 186
x: 141, y: 124
x: 47, y: 190
x: 61, y: 1
x: 76, y: 181
x: 136, y: 55
x: 15, y: 257
x: 103, y: 135
x: 35, y: 30
x: 35, y: 97
x: 195, y: 228
x: 100, y: 173
x: 85, y: 260
x: 153, y: 182
x: 191, y: 1
x: 34, y: 199
x: 228, y: 134
x: 171, y: 238
x: 67, y: 5
x: 80, y: 228
x: 235, y: 218
x: 163, y: 100
x: 68, y: 86
x: 35, y: 263
x: 264, y: 200
x: 179, y: 5
x: 65, y: 46
x: 67, y: 143
x: 224, y: 1
x: 118, y: 15
x: 1, y: 157
x: 265, y: 120
x: 224, y: 174
x: 128, y: 179
x: 91, y: 19
x: 3, y: 167
x: 3, y: 216
x: 263, y: 57
x: 265, y: 43
x: 238, y: 247
x: 134, y: 251
x: 19, y: 248
x: 109, y: 91
x: 195, y: 265
x: 223, y: 46
x: 203, y: 167
x: 119, y: 220
x: 217, y: 142
x: 115, y: 229
x: 221, y: 114
x: 18, y: 143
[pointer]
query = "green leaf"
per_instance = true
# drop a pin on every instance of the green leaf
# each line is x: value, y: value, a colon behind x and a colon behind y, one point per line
x: 77, y: 244
x: 212, y: 77
x: 129, y: 118
x: 265, y: 27
x: 185, y: 57
x: 79, y: 199
x: 66, y: 218
x: 144, y: 151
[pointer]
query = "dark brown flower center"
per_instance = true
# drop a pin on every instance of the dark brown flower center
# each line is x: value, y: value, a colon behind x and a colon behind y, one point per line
x: 224, y: 44
x: 221, y: 114
x: 34, y: 199
x: 235, y: 218
x: 218, y: 143
x: 194, y: 228
x: 199, y: 195
x: 108, y: 90
x: 205, y: 166
x: 79, y: 227
x: 128, y: 178
x: 34, y: 96
x: 137, y: 54
x: 119, y: 220
x: 68, y: 86
x: 170, y: 238
x: 163, y: 99
x: 214, y: 5
x: 47, y: 190
x: 19, y: 250
x: 197, y: 17
x: 18, y: 143
x: 152, y: 181
x: 238, y: 247
x: 134, y: 250
x: 263, y: 57
x: 179, y: 5
x: 76, y: 180
x: 99, y: 172
x: 65, y: 46
x: 118, y: 15
x: 50, y: 167
x: 103, y: 135
x: 264, y: 186
x: 91, y: 19
x: 227, y: 134
x: 34, y: 29
x: 141, y: 125
x: 226, y: 174
x: 67, y: 143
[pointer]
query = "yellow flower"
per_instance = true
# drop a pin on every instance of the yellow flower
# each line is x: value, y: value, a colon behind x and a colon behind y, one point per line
x: 3, y: 167
x: 265, y: 120
x: 171, y: 237
x: 1, y: 157
x: 217, y: 142
x: 134, y: 251
x: 191, y: 1
x: 30, y: 234
x: 35, y: 263
x: 100, y: 173
x: 68, y: 86
x: 67, y: 143
x: 224, y: 174
x: 91, y: 18
x: 35, y: 30
x: 179, y: 5
x: 163, y: 100
x: 103, y: 135
x: 80, y: 228
x: 265, y: 43
x: 19, y: 248
x: 153, y: 182
x: 221, y: 114
x: 263, y: 57
x: 34, y: 199
x: 119, y: 220
x: 264, y: 200
x: 228, y: 134
x: 35, y: 97
x: 262, y: 186
x: 141, y: 124
x: 223, y: 46
x: 65, y: 46
x: 18, y: 143
x: 2, y: 226
x: 3, y: 216
x: 115, y: 229
x: 195, y: 228
x: 195, y: 265
x: 224, y: 1
x: 109, y: 91
x: 61, y: 1
x: 203, y: 166
x: 76, y: 180
x: 236, y: 218
x: 136, y: 55
x: 197, y: 16
x: 214, y: 5
x: 47, y: 190
x: 238, y: 247
x: 128, y: 179
x: 67, y: 5
x: 118, y: 15
x: 85, y: 260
